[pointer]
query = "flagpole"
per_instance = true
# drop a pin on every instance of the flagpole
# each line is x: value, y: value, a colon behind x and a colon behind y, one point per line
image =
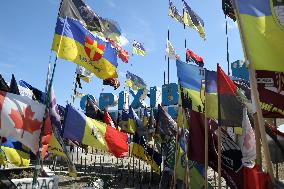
x: 38, y: 156
x: 227, y: 45
x: 255, y: 95
x: 168, y: 60
x: 219, y: 139
x: 206, y: 141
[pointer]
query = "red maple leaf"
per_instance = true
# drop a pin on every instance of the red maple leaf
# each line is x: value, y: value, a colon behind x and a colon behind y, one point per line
x: 26, y: 121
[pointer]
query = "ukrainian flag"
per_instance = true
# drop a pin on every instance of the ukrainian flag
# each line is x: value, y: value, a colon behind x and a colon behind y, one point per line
x: 142, y: 151
x: 190, y: 80
x: 138, y: 49
x: 263, y: 32
x: 15, y: 153
x: 73, y: 42
x: 133, y: 121
x: 211, y: 97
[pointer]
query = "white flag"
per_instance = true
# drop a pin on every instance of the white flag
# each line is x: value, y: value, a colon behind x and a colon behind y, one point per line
x: 247, y: 142
x: 170, y: 51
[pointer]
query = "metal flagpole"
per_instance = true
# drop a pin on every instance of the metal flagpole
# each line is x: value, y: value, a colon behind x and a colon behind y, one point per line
x: 168, y: 60
x: 255, y: 95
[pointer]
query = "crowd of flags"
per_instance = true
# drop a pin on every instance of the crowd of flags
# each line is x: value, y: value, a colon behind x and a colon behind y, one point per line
x: 208, y: 100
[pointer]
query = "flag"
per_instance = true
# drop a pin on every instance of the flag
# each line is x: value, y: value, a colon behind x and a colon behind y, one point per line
x: 73, y: 42
x: 54, y: 147
x: 21, y: 118
x: 151, y: 124
x: 275, y: 140
x: 3, y: 84
x: 192, y: 57
x: 230, y: 107
x: 262, y: 33
x: 232, y: 167
x: 123, y: 123
x: 191, y: 19
x: 190, y: 78
x: 254, y: 177
x: 247, y: 142
x: 94, y: 133
x: 270, y: 86
x: 170, y: 51
x: 93, y: 111
x: 146, y: 117
x: 121, y: 52
x: 111, y: 30
x: 173, y: 12
x: 133, y: 121
x: 211, y: 94
x: 227, y: 7
x: 135, y: 82
x: 15, y: 153
x: 138, y: 49
x: 14, y: 86
x: 108, y: 119
x: 112, y: 82
x: 37, y: 94
x: 240, y: 70
x: 84, y: 74
x: 166, y: 126
x: 79, y: 10
x: 142, y: 151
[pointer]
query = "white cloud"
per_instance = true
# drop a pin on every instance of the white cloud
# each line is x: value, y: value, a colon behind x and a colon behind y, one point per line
x: 123, y: 40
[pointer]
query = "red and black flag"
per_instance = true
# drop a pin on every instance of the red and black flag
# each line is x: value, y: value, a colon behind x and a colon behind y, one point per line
x: 192, y: 57
x: 112, y: 82
x: 230, y: 107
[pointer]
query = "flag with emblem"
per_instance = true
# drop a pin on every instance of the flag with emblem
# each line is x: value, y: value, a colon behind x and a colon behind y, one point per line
x: 73, y: 42
x: 262, y: 32
x: 138, y: 49
x: 91, y: 132
x: 22, y: 119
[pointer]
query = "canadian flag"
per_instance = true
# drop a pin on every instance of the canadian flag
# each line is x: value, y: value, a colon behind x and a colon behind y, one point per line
x: 21, y: 118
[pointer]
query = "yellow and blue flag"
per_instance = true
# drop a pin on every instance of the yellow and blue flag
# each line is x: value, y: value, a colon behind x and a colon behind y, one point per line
x: 134, y: 82
x: 138, y: 49
x: 173, y: 12
x: 142, y: 151
x: 191, y: 19
x: 211, y: 98
x: 190, y: 81
x: 14, y: 152
x: 73, y: 42
x: 133, y: 121
x: 262, y: 31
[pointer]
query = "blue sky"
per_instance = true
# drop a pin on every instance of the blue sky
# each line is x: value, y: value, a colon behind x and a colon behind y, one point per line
x: 27, y: 29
